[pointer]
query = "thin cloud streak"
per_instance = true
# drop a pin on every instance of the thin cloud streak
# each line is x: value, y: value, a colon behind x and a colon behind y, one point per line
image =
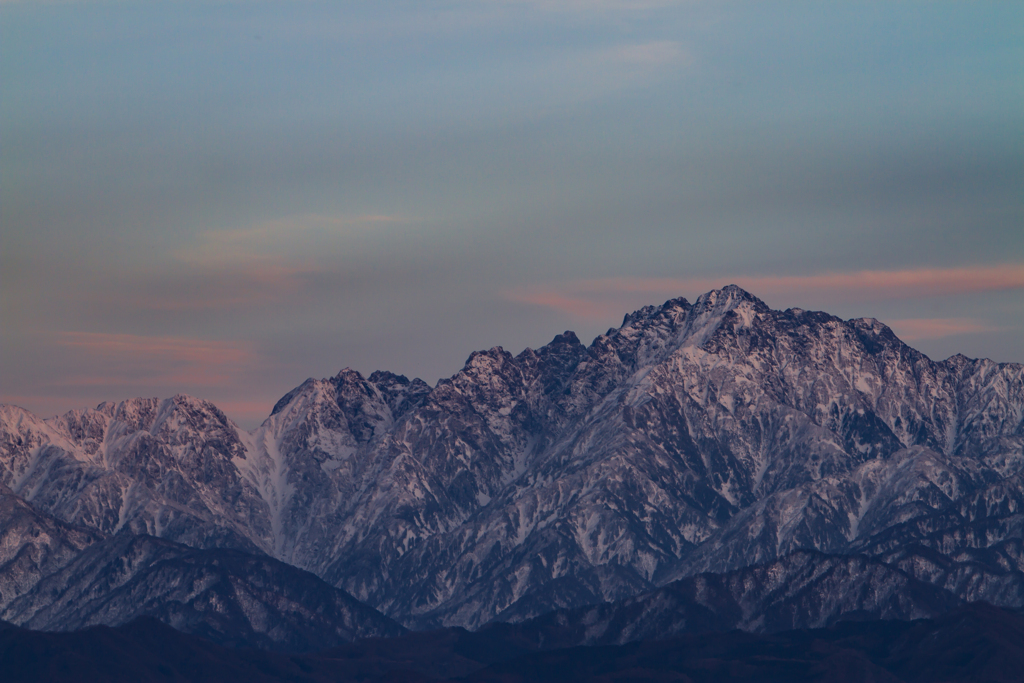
x: 573, y: 305
x: 267, y: 263
x: 598, y: 298
x: 913, y: 329
x: 653, y: 54
x: 591, y: 6
x: 231, y: 287
x: 169, y: 348
x: 134, y: 360
x: 598, y: 73
x: 265, y: 242
x: 246, y: 411
x: 127, y: 365
x: 902, y: 284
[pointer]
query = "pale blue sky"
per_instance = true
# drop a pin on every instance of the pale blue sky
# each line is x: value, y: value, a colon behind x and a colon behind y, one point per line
x: 223, y: 198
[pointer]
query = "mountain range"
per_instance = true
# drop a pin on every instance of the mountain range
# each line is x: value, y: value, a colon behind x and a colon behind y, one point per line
x: 705, y: 466
x: 969, y: 644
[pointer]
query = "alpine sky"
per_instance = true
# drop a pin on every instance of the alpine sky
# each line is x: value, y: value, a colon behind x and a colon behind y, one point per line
x: 224, y: 198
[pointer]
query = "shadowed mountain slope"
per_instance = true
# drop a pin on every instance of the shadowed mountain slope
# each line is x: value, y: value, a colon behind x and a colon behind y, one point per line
x: 974, y: 643
x: 225, y: 595
x: 806, y: 589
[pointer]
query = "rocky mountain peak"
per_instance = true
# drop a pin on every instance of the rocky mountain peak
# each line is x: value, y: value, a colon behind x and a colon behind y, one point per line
x: 487, y: 360
x: 399, y: 392
x: 348, y: 376
x: 137, y: 413
x: 728, y: 298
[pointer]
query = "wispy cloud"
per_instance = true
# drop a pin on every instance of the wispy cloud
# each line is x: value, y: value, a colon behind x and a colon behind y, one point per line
x: 597, y: 73
x: 576, y: 306
x: 600, y: 298
x: 270, y: 262
x: 653, y: 54
x: 118, y: 360
x: 591, y: 6
x: 900, y: 284
x: 228, y: 287
x: 268, y: 241
x: 96, y: 366
x: 43, y: 405
x: 251, y: 412
x: 912, y: 329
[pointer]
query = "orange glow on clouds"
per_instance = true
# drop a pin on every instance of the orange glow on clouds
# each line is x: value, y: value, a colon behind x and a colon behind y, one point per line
x: 246, y: 411
x: 911, y: 329
x: 229, y: 288
x: 129, y: 359
x: 123, y: 365
x: 604, y: 298
x: 271, y: 262
x: 266, y: 242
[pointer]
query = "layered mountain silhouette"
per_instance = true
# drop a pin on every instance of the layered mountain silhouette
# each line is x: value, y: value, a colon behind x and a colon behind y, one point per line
x: 969, y: 644
x: 717, y: 464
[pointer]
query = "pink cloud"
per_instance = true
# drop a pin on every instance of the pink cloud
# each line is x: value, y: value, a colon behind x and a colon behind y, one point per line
x: 267, y: 242
x: 246, y: 412
x: 95, y: 367
x: 134, y: 360
x: 575, y: 306
x: 227, y: 288
x: 911, y: 329
x: 176, y: 348
x: 271, y: 262
x: 123, y: 365
x: 902, y: 284
x: 601, y: 298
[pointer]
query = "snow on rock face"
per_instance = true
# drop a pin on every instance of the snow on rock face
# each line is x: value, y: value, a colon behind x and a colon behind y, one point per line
x: 158, y: 467
x: 695, y: 437
x: 802, y: 590
x: 226, y: 595
x: 33, y: 545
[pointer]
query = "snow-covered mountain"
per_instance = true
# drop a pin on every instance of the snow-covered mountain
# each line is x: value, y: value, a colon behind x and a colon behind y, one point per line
x: 55, y: 576
x: 805, y: 589
x: 228, y: 596
x: 702, y: 437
